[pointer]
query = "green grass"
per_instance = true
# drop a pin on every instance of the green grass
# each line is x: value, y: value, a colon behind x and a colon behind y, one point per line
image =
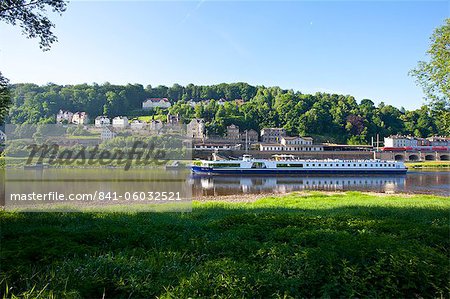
x: 352, y: 245
x: 428, y: 164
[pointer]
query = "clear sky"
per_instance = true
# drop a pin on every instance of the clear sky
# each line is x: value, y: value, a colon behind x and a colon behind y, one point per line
x: 360, y: 48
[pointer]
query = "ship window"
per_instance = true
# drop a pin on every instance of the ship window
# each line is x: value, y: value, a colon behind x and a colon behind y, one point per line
x: 349, y: 165
x: 354, y: 165
x: 325, y: 165
x: 314, y: 165
x: 343, y: 165
x: 307, y: 164
x: 359, y: 165
x: 365, y: 165
x: 225, y: 165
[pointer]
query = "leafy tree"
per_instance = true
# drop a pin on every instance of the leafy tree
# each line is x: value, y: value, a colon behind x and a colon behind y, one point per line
x: 5, y: 99
x: 434, y: 76
x: 31, y: 17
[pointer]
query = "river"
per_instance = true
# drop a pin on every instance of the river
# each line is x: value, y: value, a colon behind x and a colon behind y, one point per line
x: 118, y: 180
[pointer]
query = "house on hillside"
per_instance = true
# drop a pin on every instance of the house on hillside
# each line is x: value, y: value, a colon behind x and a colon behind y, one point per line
x: 173, y: 119
x: 80, y: 118
x: 196, y: 128
x: 107, y: 133
x: 152, y: 103
x: 64, y: 117
x: 232, y: 132
x: 272, y: 135
x: 249, y: 136
x: 120, y: 122
x: 2, y: 137
x: 137, y: 124
x: 101, y: 121
x: 155, y: 125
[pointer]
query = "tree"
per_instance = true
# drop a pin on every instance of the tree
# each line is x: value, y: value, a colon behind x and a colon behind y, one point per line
x: 5, y: 99
x: 434, y: 76
x: 31, y: 17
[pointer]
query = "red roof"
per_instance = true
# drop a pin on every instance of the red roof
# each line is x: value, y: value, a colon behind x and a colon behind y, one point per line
x: 157, y: 99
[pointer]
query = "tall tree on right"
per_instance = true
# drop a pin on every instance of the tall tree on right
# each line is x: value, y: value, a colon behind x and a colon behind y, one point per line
x: 434, y: 77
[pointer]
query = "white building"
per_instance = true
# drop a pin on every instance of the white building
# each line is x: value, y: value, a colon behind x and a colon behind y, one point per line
x: 272, y: 135
x: 156, y: 103
x: 285, y: 140
x: 156, y: 125
x: 268, y: 147
x: 107, y: 133
x: 138, y: 124
x: 80, y: 118
x: 400, y: 141
x: 196, y: 128
x: 2, y: 137
x: 120, y: 122
x: 64, y: 117
x: 439, y: 141
x: 101, y: 121
x: 216, y: 147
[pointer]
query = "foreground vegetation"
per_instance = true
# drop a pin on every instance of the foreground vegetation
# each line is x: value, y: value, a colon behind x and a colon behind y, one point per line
x: 352, y: 245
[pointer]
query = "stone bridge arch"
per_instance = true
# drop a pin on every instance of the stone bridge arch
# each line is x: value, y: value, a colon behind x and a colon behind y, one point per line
x: 413, y: 157
x: 445, y: 157
x: 430, y: 157
x: 399, y: 157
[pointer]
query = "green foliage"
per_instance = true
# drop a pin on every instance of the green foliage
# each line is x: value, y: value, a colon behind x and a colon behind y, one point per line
x: 342, y: 245
x: 434, y: 76
x: 31, y: 17
x: 327, y: 117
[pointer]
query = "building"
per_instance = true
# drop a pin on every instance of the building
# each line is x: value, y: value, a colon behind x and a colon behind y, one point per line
x: 272, y: 135
x: 265, y: 147
x: 137, y: 124
x: 438, y: 141
x: 120, y: 122
x: 80, y: 118
x: 156, y: 103
x: 173, y: 119
x: 155, y: 125
x: 64, y: 117
x: 249, y: 136
x: 232, y: 133
x: 2, y: 137
x: 196, y: 128
x: 221, y: 102
x: 288, y: 141
x: 101, y: 121
x: 400, y: 141
x: 216, y: 147
x: 107, y: 133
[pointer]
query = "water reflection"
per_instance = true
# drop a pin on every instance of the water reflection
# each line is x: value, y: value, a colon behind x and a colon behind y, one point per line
x: 416, y: 182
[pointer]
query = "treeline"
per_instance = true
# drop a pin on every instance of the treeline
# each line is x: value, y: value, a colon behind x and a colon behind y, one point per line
x: 327, y: 117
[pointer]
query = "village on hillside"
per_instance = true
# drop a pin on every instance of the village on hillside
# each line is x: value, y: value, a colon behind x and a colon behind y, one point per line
x: 267, y: 142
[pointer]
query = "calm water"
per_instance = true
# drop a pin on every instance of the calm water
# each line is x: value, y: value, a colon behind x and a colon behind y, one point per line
x: 89, y: 180
x: 423, y: 182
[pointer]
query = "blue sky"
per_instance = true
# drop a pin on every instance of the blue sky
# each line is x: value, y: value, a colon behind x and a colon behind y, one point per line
x: 360, y: 48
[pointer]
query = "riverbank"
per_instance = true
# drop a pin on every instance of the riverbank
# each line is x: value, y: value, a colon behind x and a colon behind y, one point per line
x: 305, y: 244
x: 428, y: 164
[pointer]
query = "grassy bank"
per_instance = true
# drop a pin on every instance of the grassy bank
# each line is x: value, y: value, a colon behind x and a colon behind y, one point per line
x: 428, y: 164
x: 352, y: 245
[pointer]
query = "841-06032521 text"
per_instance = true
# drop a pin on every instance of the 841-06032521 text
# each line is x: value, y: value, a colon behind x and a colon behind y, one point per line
x: 98, y: 196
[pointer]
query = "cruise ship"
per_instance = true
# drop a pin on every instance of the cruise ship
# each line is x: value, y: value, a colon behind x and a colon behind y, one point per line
x: 290, y: 165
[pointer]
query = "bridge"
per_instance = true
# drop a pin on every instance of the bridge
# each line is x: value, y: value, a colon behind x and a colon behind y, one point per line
x: 414, y: 155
